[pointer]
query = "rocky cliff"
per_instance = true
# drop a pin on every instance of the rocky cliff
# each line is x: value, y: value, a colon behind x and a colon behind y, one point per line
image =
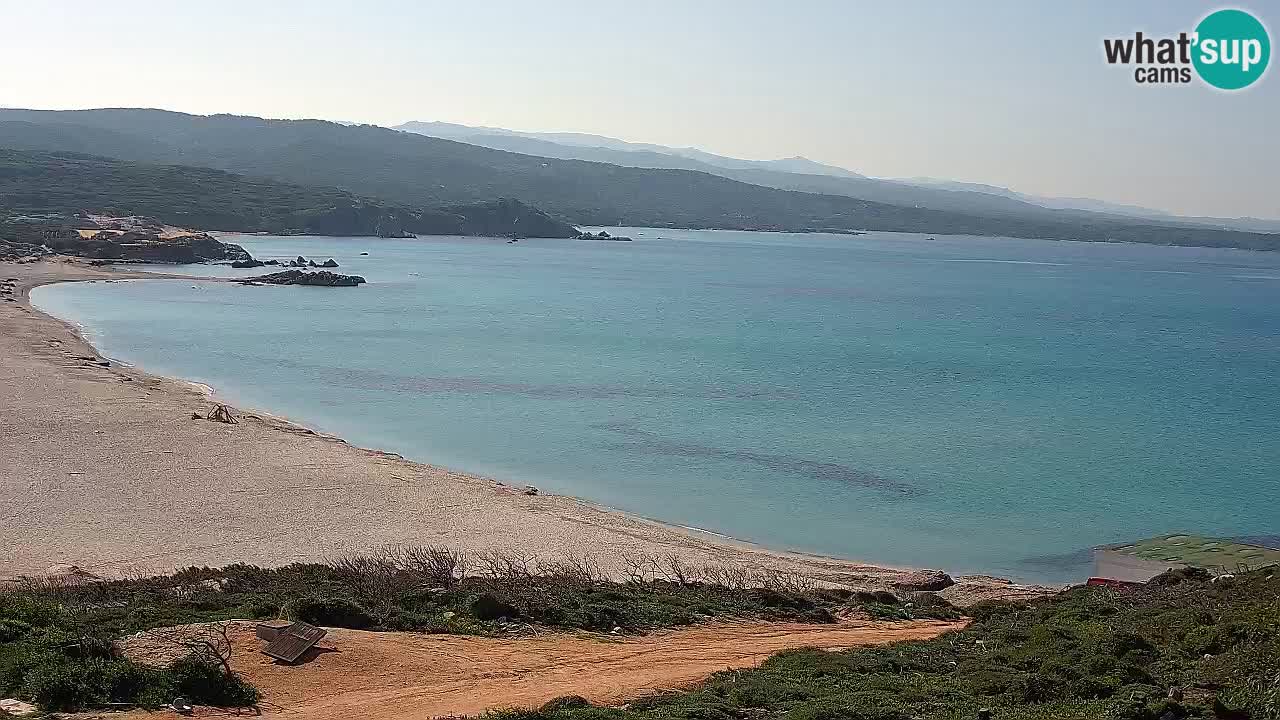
x: 129, y: 246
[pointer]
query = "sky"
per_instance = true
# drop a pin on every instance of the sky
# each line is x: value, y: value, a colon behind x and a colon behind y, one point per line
x: 1015, y: 94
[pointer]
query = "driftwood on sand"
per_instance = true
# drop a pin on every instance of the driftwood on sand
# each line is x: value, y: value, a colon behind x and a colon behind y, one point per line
x: 220, y: 413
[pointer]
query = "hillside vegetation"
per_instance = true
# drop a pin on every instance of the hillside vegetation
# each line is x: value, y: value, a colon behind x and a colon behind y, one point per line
x: 425, y: 172
x: 37, y: 182
x: 1180, y: 647
x: 56, y: 638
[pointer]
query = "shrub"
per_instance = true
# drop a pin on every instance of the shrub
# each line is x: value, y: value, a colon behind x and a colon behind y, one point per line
x: 329, y: 612
x: 836, y: 710
x: 516, y: 714
x: 66, y: 684
x: 565, y: 702
x: 993, y: 611
x: 28, y: 610
x: 486, y: 606
x: 207, y: 684
x: 12, y: 629
x: 1177, y: 576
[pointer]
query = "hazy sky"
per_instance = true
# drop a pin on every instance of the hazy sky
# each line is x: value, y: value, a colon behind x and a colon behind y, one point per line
x: 1008, y: 93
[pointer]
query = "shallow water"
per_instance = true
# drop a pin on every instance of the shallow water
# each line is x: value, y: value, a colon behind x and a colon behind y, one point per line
x: 976, y: 404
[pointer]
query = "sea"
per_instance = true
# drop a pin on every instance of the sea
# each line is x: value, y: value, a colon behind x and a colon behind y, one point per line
x: 975, y: 404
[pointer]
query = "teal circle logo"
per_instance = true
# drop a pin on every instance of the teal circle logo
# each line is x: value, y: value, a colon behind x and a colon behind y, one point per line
x: 1232, y: 49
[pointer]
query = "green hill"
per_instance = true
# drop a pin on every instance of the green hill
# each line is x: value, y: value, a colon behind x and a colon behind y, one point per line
x: 422, y: 172
x: 41, y: 182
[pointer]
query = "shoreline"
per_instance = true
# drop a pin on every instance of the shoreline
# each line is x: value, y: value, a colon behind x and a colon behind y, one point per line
x: 292, y: 481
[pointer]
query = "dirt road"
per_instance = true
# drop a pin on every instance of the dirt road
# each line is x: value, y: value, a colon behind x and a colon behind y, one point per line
x: 381, y: 676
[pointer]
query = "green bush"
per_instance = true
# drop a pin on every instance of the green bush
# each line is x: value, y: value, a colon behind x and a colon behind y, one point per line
x: 329, y: 612
x: 486, y: 606
x: 565, y: 702
x: 207, y: 684
x: 12, y: 629
x: 72, y: 684
x: 19, y: 608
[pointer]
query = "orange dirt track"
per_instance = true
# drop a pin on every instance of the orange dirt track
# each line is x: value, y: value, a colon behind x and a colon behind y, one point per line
x: 380, y: 676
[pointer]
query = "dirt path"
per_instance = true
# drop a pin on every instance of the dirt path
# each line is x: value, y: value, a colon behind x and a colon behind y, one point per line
x: 380, y: 676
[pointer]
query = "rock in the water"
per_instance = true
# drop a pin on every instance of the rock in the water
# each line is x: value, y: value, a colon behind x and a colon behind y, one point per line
x: 321, y: 278
x: 330, y: 263
x: 250, y: 263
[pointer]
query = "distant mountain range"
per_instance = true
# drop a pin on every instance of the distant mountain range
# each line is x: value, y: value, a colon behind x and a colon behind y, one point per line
x: 933, y: 193
x: 413, y: 181
x: 467, y: 133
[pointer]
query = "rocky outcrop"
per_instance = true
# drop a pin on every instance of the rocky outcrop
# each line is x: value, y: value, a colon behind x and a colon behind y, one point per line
x: 301, y: 262
x: 184, y: 249
x: 603, y: 235
x: 321, y: 278
x: 394, y: 234
x: 130, y: 245
x: 924, y: 580
x: 250, y: 263
x: 506, y: 217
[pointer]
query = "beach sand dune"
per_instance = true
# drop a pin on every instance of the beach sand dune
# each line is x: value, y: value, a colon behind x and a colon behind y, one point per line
x: 104, y: 468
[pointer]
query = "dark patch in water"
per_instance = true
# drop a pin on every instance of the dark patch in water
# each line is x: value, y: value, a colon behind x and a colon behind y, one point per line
x: 1072, y: 561
x: 370, y: 380
x: 650, y: 443
x: 1266, y: 541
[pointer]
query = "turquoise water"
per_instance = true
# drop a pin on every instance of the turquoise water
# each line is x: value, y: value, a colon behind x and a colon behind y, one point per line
x: 975, y: 404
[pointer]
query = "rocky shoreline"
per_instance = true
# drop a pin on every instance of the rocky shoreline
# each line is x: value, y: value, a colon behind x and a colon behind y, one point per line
x: 320, y: 278
x: 113, y: 240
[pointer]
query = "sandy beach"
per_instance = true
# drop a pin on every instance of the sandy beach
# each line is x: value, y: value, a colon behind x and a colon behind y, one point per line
x: 104, y: 468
